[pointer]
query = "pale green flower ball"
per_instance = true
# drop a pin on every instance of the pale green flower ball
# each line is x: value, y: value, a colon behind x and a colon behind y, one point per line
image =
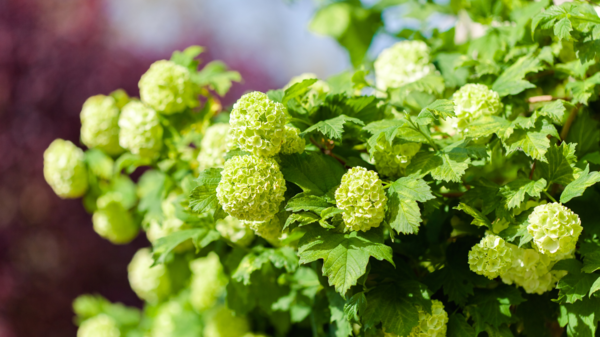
x: 490, y: 257
x: 222, y: 323
x: 251, y: 188
x: 234, y: 230
x: 99, y: 326
x: 213, y: 147
x: 292, y: 142
x: 65, y: 170
x: 113, y: 222
x: 270, y: 230
x: 391, y: 160
x: 532, y: 271
x: 555, y: 229
x: 362, y: 198
x: 172, y: 318
x: 141, y: 132
x: 100, y: 124
x: 257, y: 124
x: 168, y: 88
x: 473, y: 101
x: 432, y: 324
x: 208, y: 282
x: 151, y: 284
x: 402, y: 63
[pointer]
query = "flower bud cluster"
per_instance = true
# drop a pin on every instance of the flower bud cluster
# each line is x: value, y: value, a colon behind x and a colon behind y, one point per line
x: 391, y: 160
x: 222, y: 322
x: 112, y: 221
x: 141, y: 132
x: 167, y: 88
x: 100, y: 124
x: 99, y: 326
x: 473, y: 101
x: 292, y: 142
x: 65, y: 170
x: 213, y: 147
x: 270, y: 230
x: 208, y: 282
x: 490, y: 257
x: 362, y: 198
x: 555, y: 230
x: 402, y: 63
x: 235, y: 231
x: 150, y: 283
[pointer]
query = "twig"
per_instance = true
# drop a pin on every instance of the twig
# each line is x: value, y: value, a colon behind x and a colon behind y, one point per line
x: 532, y: 170
x: 565, y: 130
x: 549, y: 196
x: 453, y: 194
x: 546, y: 98
x: 328, y: 152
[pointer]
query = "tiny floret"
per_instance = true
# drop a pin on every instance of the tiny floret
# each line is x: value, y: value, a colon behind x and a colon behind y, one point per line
x: 270, y: 230
x: 213, y: 147
x: 167, y: 88
x: 391, y: 160
x: 257, y: 124
x: 555, y: 229
x: 402, y: 63
x: 222, y: 322
x: 292, y: 142
x: 100, y: 124
x: 141, y: 132
x: 65, y: 170
x: 251, y: 188
x: 362, y: 198
x: 432, y: 324
x: 151, y: 284
x: 99, y: 326
x: 490, y: 257
x: 208, y: 282
x: 473, y: 101
x: 234, y: 230
x: 113, y: 222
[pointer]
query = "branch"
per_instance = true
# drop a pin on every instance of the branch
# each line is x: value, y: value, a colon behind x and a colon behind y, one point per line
x: 565, y: 130
x: 546, y: 98
x: 328, y: 152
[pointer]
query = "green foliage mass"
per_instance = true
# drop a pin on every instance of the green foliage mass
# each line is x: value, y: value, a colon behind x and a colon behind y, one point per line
x: 447, y: 186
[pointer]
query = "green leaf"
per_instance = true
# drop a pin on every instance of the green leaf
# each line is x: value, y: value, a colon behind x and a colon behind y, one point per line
x: 99, y: 163
x: 578, y: 186
x: 204, y: 197
x: 478, y: 218
x: 563, y: 29
x: 343, y: 328
x: 333, y: 128
x: 217, y: 77
x: 559, y: 166
x: 591, y: 262
x: 345, y: 256
x: 533, y: 142
x: 584, y: 91
x: 575, y: 285
x: 302, y: 202
x: 187, y: 57
x: 393, y: 307
x: 512, y: 81
x: 488, y: 125
x: 313, y: 172
x: 403, y: 213
x: 297, y: 90
x: 355, y: 304
x: 201, y: 237
x: 302, y: 218
x: 448, y: 164
x: 493, y: 306
x: 458, y: 327
x: 283, y: 257
x: 580, y: 318
x: 152, y: 187
x: 555, y: 110
x: 514, y: 192
x: 585, y: 132
x: 441, y: 108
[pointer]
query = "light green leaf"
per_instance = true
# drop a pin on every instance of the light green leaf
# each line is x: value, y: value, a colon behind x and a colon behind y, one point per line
x: 313, y: 172
x: 585, y: 132
x: 578, y: 186
x: 563, y: 29
x: 559, y: 166
x: 478, y: 218
x: 514, y: 192
x: 303, y: 202
x: 204, y: 197
x: 575, y: 285
x: 217, y: 77
x: 441, y: 108
x: 580, y: 318
x: 201, y: 237
x: 334, y: 127
x: 302, y: 218
x: 298, y: 90
x: 403, y: 213
x: 512, y: 81
x: 533, y: 142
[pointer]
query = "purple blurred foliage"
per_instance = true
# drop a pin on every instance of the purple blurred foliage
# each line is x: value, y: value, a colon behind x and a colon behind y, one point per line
x: 53, y: 55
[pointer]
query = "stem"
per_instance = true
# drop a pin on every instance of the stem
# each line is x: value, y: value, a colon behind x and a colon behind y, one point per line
x: 565, y: 130
x: 546, y: 98
x: 328, y: 152
x: 416, y: 127
x: 532, y: 170
x: 550, y: 197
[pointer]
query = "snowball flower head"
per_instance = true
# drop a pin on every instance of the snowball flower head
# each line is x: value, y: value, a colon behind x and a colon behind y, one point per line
x: 532, y: 271
x: 391, y: 160
x: 270, y: 230
x: 432, y: 324
x: 292, y: 142
x: 100, y: 124
x: 555, y: 229
x: 113, y: 222
x: 99, y: 326
x: 402, y: 63
x: 65, y: 170
x: 362, y: 198
x: 473, y: 101
x: 213, y: 147
x: 257, y: 124
x: 490, y: 257
x: 141, y: 132
x: 251, y: 188
x: 168, y: 88
x: 208, y: 281
x: 151, y: 284
x: 234, y: 230
x: 223, y: 323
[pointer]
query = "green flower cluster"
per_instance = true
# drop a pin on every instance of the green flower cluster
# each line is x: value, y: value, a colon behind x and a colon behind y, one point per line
x: 402, y: 63
x: 473, y: 101
x: 208, y: 282
x: 100, y: 124
x: 270, y: 230
x: 223, y: 323
x: 141, y: 132
x: 213, y: 147
x: 391, y: 159
x: 490, y: 257
x: 235, y: 231
x: 432, y: 324
x: 555, y: 230
x: 292, y: 142
x: 362, y: 198
x: 65, y: 170
x: 99, y: 326
x: 151, y: 284
x: 175, y: 318
x: 112, y: 221
x: 257, y: 124
x: 251, y: 188
x: 532, y: 271
x: 168, y: 88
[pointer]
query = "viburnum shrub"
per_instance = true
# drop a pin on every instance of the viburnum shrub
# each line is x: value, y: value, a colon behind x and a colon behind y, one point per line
x: 446, y: 187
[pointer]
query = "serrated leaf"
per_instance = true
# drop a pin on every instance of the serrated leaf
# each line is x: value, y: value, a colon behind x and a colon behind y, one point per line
x: 478, y: 218
x: 458, y: 327
x: 556, y: 110
x: 533, y: 142
x: 448, y: 164
x: 204, y: 197
x: 511, y: 81
x: 201, y: 237
x: 583, y: 91
x: 514, y: 192
x: 412, y: 188
x: 580, y: 318
x: 343, y: 328
x: 563, y: 29
x: 559, y: 166
x: 441, y: 108
x: 355, y: 304
x: 393, y: 308
x: 345, y: 256
x: 297, y: 90
x: 591, y: 262
x: 579, y: 185
x: 493, y: 306
x: 575, y: 285
x: 216, y: 75
x: 283, y: 257
x: 313, y: 172
x: 403, y: 213
x: 488, y: 125
x: 585, y: 132
x: 334, y: 127
x: 303, y: 202
x: 302, y: 218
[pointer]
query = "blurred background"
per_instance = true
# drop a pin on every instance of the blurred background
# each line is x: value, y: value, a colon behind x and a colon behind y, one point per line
x: 56, y: 53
